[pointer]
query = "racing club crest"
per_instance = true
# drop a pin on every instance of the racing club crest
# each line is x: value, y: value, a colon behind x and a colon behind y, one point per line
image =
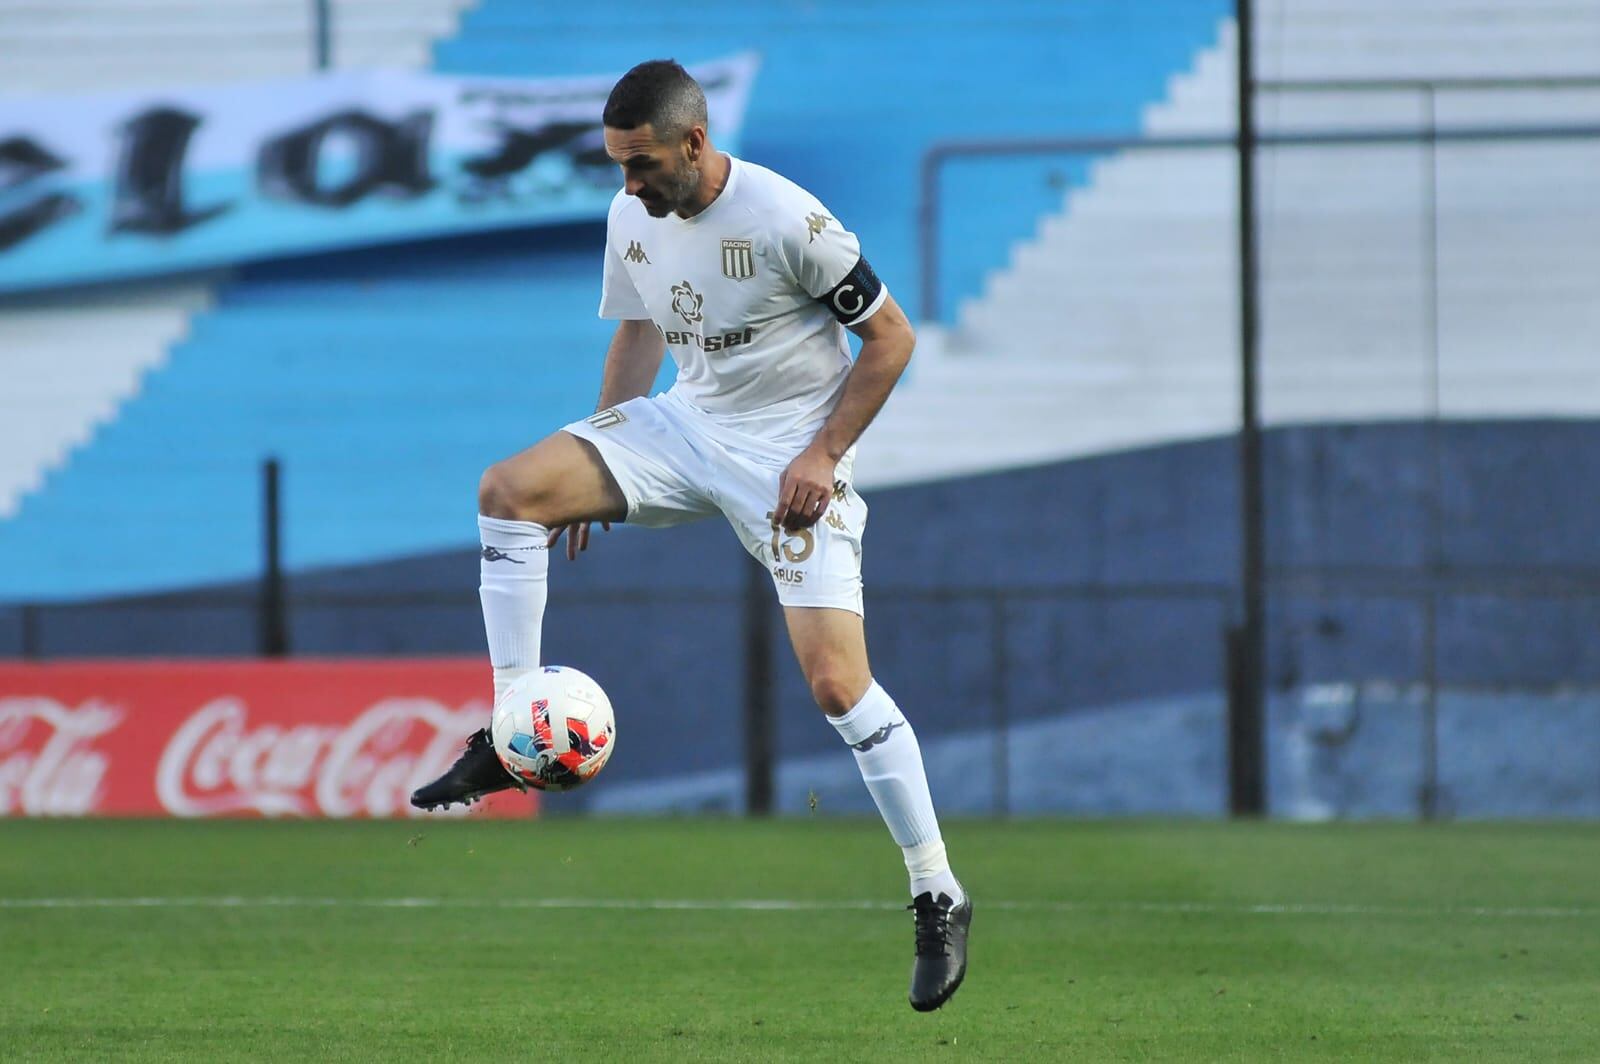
x: 738, y: 263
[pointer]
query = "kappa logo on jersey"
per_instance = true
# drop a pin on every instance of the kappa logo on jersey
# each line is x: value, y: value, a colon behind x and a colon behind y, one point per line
x: 635, y: 253
x: 816, y: 223
x: 686, y: 302
x: 738, y: 261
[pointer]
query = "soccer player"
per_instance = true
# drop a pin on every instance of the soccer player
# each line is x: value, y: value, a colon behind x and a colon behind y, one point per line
x: 750, y: 282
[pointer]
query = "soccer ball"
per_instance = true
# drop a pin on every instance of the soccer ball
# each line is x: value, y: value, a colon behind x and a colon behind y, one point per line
x: 554, y: 729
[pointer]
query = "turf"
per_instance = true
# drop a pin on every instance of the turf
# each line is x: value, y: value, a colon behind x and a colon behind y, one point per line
x: 1104, y: 941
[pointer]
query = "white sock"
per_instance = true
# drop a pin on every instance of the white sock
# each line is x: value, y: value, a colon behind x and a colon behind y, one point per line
x: 890, y: 760
x: 512, y: 586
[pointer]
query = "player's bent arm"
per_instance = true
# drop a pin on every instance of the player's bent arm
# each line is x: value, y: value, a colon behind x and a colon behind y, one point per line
x: 887, y: 341
x: 632, y: 362
x: 807, y: 484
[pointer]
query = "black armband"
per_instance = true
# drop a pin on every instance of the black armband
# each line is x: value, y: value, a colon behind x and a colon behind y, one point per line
x: 852, y: 297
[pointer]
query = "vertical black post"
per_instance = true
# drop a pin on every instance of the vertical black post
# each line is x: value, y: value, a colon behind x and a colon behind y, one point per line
x: 928, y: 227
x: 999, y: 670
x: 1246, y: 716
x: 758, y: 708
x: 273, y: 627
x: 1428, y: 799
x: 30, y: 630
x: 322, y: 32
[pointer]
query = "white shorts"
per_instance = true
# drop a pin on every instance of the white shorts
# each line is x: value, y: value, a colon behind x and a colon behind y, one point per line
x: 672, y: 471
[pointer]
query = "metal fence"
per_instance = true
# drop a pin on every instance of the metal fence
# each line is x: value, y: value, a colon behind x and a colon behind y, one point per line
x: 1259, y: 579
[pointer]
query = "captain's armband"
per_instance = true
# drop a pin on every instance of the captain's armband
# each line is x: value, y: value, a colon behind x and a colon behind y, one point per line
x: 854, y: 299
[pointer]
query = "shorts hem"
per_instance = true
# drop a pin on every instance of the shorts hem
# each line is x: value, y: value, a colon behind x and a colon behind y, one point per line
x: 852, y: 606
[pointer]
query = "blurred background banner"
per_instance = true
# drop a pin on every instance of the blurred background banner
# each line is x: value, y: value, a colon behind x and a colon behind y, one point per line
x: 133, y: 183
x: 334, y: 739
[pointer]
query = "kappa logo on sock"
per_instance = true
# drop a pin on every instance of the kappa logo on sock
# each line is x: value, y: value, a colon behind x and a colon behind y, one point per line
x: 879, y: 736
x: 495, y: 554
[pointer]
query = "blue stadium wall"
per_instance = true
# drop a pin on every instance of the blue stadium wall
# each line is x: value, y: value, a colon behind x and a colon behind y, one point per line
x: 386, y: 380
x: 1033, y: 700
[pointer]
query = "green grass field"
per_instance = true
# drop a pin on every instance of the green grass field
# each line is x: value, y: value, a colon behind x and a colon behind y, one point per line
x: 445, y: 941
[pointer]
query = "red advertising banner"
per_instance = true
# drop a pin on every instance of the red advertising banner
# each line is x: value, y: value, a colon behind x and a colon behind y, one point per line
x: 237, y: 738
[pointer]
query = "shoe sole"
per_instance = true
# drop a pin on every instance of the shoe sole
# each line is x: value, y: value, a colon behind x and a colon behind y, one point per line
x: 469, y: 800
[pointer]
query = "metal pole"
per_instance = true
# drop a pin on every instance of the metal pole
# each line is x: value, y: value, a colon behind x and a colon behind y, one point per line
x: 1246, y: 732
x: 758, y: 707
x: 1002, y: 705
x: 322, y: 32
x: 273, y: 625
x: 1429, y: 797
x: 29, y: 621
x: 928, y: 223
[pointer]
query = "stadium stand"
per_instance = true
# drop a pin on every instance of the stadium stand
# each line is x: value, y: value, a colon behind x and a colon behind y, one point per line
x: 86, y: 45
x: 1091, y: 316
x: 1117, y: 324
x: 1067, y: 316
x: 110, y: 345
x: 534, y: 294
x: 114, y: 337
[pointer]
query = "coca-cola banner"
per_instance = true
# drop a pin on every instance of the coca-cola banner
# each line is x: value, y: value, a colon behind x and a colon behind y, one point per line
x: 257, y: 738
x: 118, y: 184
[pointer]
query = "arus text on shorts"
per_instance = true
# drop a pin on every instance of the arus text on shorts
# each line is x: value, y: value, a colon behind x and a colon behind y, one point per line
x: 709, y: 343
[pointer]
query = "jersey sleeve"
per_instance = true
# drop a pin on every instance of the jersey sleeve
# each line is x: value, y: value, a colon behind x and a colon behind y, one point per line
x: 825, y: 259
x: 619, y: 299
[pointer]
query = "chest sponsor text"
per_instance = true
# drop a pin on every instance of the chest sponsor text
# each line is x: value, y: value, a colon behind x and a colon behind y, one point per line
x: 709, y: 343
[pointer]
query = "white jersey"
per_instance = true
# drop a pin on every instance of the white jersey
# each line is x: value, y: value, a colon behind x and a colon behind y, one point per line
x: 752, y: 296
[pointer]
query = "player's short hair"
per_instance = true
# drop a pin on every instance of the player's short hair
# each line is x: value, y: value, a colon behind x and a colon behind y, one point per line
x: 659, y: 93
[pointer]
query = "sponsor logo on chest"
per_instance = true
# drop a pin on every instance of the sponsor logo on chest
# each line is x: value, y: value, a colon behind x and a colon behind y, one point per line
x: 709, y: 343
x: 688, y: 304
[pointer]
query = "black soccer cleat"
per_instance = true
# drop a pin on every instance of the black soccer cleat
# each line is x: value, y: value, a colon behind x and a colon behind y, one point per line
x: 941, y: 961
x: 477, y: 772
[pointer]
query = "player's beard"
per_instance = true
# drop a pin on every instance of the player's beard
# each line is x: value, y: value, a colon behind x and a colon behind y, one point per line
x: 674, y: 193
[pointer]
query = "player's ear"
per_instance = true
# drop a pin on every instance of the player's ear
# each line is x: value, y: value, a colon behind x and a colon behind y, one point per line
x: 695, y: 143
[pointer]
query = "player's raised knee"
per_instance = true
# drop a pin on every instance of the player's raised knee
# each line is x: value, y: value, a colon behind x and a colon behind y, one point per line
x: 500, y: 495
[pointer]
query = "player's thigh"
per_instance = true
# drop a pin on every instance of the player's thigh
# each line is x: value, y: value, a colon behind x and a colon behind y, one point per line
x: 831, y: 646
x: 559, y: 480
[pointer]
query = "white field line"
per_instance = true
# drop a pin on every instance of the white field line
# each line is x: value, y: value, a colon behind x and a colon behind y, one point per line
x: 796, y: 905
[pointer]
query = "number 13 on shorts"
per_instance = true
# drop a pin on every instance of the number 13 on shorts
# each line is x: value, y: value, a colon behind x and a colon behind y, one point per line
x: 783, y: 542
x: 820, y: 565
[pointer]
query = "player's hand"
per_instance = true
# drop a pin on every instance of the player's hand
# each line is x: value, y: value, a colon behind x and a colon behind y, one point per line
x: 577, y: 537
x: 804, y: 490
